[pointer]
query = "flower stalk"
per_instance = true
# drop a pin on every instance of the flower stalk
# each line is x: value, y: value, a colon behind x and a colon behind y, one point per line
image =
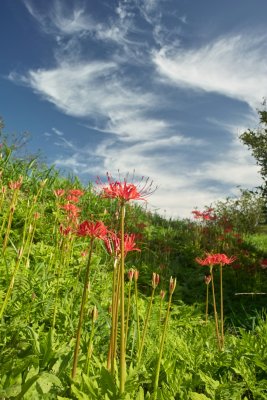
x: 82, y: 308
x: 163, y: 336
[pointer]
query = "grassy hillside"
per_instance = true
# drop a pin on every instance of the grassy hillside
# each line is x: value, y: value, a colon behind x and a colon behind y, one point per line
x: 59, y: 260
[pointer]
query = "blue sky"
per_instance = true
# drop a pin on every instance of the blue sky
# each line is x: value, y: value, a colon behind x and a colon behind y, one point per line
x: 162, y: 87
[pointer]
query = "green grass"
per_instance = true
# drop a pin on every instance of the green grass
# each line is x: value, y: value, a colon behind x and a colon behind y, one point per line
x: 36, y: 357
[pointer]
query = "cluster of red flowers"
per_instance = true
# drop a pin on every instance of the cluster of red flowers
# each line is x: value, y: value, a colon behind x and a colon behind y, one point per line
x: 15, y: 185
x: 205, y: 215
x: 72, y: 197
x: 215, y: 259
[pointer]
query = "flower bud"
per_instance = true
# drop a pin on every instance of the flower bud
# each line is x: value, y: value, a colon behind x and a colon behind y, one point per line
x: 155, y: 280
x: 172, y: 285
x: 136, y: 275
x: 207, y: 279
x: 130, y: 274
x: 162, y: 294
x: 94, y: 314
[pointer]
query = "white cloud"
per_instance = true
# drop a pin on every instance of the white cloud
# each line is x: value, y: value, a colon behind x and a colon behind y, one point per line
x: 233, y: 66
x: 57, y: 132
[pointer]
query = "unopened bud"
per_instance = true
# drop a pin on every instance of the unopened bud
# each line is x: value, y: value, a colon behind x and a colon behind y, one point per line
x: 172, y: 284
x: 130, y: 274
x: 207, y: 279
x: 136, y: 275
x: 94, y: 314
x: 162, y: 294
x: 155, y: 280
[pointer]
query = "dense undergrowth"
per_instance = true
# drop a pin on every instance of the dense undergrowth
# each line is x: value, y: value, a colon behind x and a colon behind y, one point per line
x: 42, y: 274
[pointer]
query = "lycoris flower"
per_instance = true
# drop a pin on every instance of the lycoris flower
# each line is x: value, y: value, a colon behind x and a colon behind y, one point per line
x: 92, y: 229
x: 264, y: 263
x: 76, y: 192
x: 113, y: 243
x: 213, y: 259
x: 72, y: 210
x: 124, y: 190
x: 205, y: 215
x: 72, y: 198
x: 65, y: 230
x: 59, y: 192
x: 15, y: 185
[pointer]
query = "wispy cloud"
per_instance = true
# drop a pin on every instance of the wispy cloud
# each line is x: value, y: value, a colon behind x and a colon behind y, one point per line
x: 235, y: 66
x: 126, y: 106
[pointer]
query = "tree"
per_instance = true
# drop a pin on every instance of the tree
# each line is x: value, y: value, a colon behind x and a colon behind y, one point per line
x: 256, y: 141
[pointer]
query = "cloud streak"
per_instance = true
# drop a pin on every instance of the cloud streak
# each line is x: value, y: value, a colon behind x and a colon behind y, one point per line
x: 234, y: 66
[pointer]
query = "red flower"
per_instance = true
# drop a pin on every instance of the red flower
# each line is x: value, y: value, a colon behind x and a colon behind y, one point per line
x: 213, y: 259
x: 264, y: 263
x: 76, y: 192
x: 15, y: 184
x: 65, y: 230
x: 125, y: 191
x: 72, y: 210
x: 92, y: 229
x: 72, y: 198
x: 205, y: 215
x: 113, y: 243
x: 59, y: 192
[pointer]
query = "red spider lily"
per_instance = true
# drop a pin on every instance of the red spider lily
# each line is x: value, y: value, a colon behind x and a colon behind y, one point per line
x: 72, y: 198
x: 129, y: 243
x: 15, y: 184
x: 155, y: 280
x: 205, y: 215
x: 65, y: 230
x: 76, y: 192
x: 72, y: 210
x: 113, y: 243
x: 59, y: 192
x: 213, y: 259
x: 92, y: 229
x: 264, y: 263
x: 124, y: 190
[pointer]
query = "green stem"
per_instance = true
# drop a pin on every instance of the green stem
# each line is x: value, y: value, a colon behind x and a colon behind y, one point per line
x: 12, y: 281
x: 137, y: 315
x: 146, y: 325
x: 221, y: 292
x: 128, y: 313
x: 82, y: 308
x: 156, y: 382
x: 207, y: 303
x: 215, y: 310
x: 89, y: 349
x: 113, y: 313
x: 122, y: 333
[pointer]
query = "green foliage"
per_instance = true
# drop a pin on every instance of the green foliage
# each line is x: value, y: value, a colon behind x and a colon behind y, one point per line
x: 39, y: 321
